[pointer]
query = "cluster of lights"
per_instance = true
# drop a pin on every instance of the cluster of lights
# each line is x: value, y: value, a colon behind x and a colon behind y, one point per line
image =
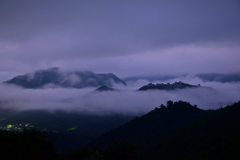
x: 16, y: 127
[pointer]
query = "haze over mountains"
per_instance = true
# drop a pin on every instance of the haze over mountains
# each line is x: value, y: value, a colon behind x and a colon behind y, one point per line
x: 79, y: 109
x: 161, y: 49
x: 76, y: 113
x: 54, y: 77
x: 55, y: 89
x: 206, y: 77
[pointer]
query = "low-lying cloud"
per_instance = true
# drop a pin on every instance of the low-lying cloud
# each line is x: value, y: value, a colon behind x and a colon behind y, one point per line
x: 126, y: 101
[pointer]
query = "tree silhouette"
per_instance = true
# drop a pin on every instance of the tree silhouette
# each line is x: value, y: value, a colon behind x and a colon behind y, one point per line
x: 169, y: 104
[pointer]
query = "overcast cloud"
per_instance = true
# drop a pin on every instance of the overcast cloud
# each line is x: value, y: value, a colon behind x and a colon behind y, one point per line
x: 127, y: 38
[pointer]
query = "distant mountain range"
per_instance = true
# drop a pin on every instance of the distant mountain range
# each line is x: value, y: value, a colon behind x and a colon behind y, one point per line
x: 54, y: 77
x: 168, y: 86
x: 154, y: 78
x: 231, y: 77
x: 210, y: 77
x: 158, y: 86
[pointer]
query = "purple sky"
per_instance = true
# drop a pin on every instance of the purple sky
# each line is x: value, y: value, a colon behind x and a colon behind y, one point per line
x: 127, y: 38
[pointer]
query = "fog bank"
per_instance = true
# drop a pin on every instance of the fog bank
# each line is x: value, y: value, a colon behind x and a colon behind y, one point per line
x: 126, y: 101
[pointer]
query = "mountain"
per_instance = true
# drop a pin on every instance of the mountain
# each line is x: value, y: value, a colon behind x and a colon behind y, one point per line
x: 178, y: 130
x: 160, y: 122
x: 215, y: 136
x: 105, y: 88
x: 232, y: 77
x: 181, y: 131
x: 53, y: 77
x: 152, y: 78
x: 168, y: 86
x: 210, y: 77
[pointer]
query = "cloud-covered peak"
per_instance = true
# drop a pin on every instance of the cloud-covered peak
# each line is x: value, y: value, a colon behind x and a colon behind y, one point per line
x: 54, y: 77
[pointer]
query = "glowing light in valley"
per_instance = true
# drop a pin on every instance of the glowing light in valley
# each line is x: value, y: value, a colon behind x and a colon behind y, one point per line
x: 73, y: 128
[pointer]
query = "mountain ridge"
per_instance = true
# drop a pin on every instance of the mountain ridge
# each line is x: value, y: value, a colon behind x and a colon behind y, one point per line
x: 180, y: 130
x: 168, y: 86
x: 54, y: 77
x: 161, y: 121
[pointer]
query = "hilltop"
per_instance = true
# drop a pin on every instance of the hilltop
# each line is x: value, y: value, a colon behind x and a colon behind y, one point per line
x: 168, y: 86
x: 54, y: 77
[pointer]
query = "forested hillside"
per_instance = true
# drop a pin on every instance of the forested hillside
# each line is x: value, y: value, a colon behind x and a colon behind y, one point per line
x: 181, y: 131
x: 178, y: 130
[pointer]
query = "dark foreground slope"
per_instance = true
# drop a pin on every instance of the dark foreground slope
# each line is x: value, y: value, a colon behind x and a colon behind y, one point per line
x: 26, y: 145
x: 181, y: 131
x: 145, y: 130
x: 68, y: 130
x: 178, y: 131
x: 216, y: 136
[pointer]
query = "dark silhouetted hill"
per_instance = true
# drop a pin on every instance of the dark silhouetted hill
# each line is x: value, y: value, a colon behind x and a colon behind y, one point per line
x: 168, y: 86
x: 216, y: 136
x: 181, y: 131
x: 145, y: 130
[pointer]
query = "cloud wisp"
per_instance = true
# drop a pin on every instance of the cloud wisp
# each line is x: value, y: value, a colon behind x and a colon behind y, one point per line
x: 126, y: 101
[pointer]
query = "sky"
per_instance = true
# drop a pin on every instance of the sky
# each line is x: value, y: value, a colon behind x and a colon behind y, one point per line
x: 127, y: 38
